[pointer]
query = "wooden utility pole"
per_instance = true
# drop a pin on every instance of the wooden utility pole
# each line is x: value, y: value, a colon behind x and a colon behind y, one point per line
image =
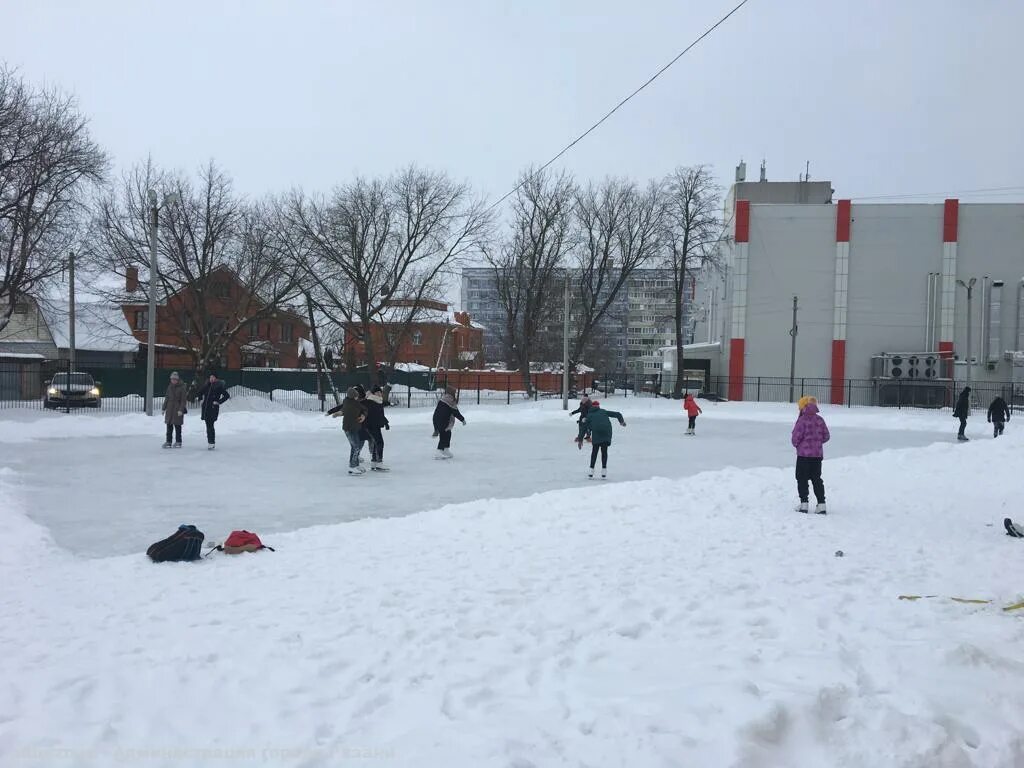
x: 792, y: 352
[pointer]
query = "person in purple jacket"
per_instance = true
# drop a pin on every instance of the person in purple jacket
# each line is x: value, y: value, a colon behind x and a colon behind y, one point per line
x: 810, y: 433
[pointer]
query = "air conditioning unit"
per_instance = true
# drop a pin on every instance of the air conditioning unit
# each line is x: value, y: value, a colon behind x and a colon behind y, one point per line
x: 916, y: 366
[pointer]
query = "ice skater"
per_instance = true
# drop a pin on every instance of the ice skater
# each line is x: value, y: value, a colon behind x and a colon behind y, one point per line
x: 961, y: 411
x: 599, y: 424
x: 445, y: 414
x: 581, y: 430
x: 213, y: 394
x: 810, y: 433
x: 175, y: 408
x: 353, y: 415
x: 998, y: 415
x: 692, y: 411
x: 376, y: 421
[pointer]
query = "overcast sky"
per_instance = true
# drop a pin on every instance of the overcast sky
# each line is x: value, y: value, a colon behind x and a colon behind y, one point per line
x: 881, y: 96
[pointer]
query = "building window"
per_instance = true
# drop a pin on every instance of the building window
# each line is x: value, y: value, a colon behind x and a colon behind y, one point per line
x: 186, y: 325
x: 22, y: 308
x: 417, y: 338
x: 286, y: 331
x: 221, y: 290
x: 218, y: 325
x: 141, y: 319
x: 254, y: 330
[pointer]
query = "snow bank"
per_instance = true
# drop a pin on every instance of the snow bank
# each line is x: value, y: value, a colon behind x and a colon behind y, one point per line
x: 665, y: 622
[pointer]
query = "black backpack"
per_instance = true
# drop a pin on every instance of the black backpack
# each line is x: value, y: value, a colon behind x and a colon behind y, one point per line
x: 183, y: 544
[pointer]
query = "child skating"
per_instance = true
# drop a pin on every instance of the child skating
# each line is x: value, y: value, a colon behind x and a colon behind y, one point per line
x: 810, y: 433
x: 998, y: 415
x: 583, y: 410
x: 445, y: 415
x: 692, y: 411
x: 599, y: 423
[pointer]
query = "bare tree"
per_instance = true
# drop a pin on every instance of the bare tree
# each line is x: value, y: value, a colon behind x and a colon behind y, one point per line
x: 222, y: 263
x: 692, y: 235
x: 47, y: 163
x: 374, y: 240
x: 620, y: 228
x: 528, y: 263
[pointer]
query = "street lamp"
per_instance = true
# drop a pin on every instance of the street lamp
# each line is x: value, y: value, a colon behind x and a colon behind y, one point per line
x: 969, y: 286
x: 154, y: 217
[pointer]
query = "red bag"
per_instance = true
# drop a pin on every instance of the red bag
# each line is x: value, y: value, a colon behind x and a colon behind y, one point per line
x: 242, y: 541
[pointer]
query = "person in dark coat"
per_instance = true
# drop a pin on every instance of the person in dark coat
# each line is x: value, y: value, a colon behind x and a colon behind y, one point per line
x: 599, y: 423
x: 961, y: 411
x: 175, y: 408
x: 445, y: 415
x: 583, y: 410
x: 213, y: 394
x: 998, y: 415
x: 375, y: 422
x: 353, y: 415
x: 364, y: 432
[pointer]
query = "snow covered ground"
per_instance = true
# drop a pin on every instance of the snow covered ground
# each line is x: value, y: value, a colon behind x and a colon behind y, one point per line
x: 681, y: 615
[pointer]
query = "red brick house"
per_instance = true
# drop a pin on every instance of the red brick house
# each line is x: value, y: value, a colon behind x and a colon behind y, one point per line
x: 436, y: 337
x: 272, y: 341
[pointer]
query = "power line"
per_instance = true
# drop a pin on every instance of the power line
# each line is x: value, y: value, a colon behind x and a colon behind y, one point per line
x: 618, y: 106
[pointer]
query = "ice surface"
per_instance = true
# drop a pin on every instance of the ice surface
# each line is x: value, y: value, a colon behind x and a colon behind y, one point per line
x: 688, y: 620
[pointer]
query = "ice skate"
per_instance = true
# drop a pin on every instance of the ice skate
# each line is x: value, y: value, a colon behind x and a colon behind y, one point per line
x: 210, y: 447
x: 446, y: 454
x: 802, y: 507
x: 590, y: 473
x: 820, y: 509
x: 356, y: 471
x: 963, y: 438
x: 604, y: 474
x: 166, y: 445
x: 177, y: 445
x: 378, y: 466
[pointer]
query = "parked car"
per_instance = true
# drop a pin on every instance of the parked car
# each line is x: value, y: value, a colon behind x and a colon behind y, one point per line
x: 73, y: 389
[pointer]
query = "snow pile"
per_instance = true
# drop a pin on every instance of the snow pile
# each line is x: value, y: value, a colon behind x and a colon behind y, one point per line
x: 665, y: 622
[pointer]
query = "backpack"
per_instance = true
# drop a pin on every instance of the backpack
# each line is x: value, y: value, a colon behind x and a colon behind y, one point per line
x: 242, y: 541
x: 182, y: 545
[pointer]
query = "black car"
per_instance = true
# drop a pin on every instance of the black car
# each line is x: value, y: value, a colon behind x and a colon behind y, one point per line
x: 72, y: 389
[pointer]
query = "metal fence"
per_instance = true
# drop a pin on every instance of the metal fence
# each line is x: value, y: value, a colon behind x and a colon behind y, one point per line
x: 27, y: 383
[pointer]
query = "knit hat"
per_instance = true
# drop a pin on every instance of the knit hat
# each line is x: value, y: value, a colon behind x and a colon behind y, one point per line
x: 359, y: 388
x: 803, y: 401
x: 595, y: 403
x: 377, y: 389
x: 174, y: 375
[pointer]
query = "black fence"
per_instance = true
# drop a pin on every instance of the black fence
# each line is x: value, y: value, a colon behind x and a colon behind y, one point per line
x: 27, y: 382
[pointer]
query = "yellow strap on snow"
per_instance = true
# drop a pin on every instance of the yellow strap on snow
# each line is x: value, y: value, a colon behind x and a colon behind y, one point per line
x: 970, y: 600
x: 1015, y: 606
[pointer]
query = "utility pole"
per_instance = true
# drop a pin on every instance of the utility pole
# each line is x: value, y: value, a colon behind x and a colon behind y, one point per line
x: 151, y: 315
x: 969, y: 286
x: 71, y: 310
x: 792, y: 352
x: 316, y: 351
x: 565, y: 346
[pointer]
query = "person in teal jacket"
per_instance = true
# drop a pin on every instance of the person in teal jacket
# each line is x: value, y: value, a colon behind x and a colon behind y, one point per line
x: 599, y: 422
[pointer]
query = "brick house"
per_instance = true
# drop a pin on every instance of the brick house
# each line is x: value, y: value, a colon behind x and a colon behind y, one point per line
x: 436, y: 337
x: 271, y: 341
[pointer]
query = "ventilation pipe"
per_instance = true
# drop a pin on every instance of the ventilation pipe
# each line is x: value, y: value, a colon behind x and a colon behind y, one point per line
x: 1020, y: 316
x: 995, y: 321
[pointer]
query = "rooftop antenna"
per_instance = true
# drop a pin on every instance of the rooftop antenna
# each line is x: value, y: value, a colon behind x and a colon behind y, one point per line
x: 807, y: 175
x: 741, y: 171
x: 764, y: 170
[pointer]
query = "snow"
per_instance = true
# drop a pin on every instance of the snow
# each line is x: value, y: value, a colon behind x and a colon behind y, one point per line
x: 499, y: 609
x: 99, y: 326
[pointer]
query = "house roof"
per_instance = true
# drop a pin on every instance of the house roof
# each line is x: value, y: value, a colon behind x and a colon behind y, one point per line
x: 99, y: 327
x: 424, y: 316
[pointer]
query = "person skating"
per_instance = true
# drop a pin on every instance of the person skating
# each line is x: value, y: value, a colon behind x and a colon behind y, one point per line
x: 599, y: 423
x: 213, y: 395
x: 810, y: 433
x: 353, y: 415
x: 445, y: 414
x: 376, y: 421
x: 175, y: 407
x: 961, y: 411
x: 692, y: 410
x: 998, y: 415
x: 364, y: 433
x: 582, y: 410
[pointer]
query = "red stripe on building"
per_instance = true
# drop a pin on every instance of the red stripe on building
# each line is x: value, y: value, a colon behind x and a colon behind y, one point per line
x: 946, y: 354
x: 838, y: 370
x: 843, y: 222
x: 950, y: 216
x: 736, y: 368
x: 742, y: 221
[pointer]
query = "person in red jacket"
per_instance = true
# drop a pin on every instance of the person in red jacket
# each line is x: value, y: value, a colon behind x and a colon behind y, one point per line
x: 692, y: 409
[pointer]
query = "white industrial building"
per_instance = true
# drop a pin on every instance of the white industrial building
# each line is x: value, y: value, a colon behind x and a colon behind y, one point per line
x: 882, y: 296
